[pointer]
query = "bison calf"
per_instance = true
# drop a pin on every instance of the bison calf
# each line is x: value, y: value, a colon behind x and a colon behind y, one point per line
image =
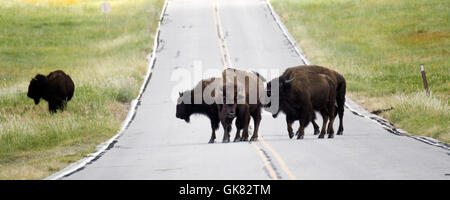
x: 243, y: 102
x: 57, y: 89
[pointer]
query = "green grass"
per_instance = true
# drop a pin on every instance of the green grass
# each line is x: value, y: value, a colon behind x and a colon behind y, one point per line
x: 378, y: 46
x: 106, y: 62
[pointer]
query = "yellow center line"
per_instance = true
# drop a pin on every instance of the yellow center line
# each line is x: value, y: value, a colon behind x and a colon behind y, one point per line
x: 222, y: 43
x: 278, y: 158
x: 225, y: 46
x: 226, y: 60
x: 269, y: 168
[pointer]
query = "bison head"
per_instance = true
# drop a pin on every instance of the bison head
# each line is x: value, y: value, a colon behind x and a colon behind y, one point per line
x: 230, y: 95
x: 275, y: 90
x: 183, y: 107
x: 36, y: 87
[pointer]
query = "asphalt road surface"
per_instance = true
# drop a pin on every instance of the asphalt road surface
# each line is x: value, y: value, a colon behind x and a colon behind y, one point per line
x: 244, y: 34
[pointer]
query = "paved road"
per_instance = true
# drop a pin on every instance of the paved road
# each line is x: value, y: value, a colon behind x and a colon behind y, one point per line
x: 157, y: 145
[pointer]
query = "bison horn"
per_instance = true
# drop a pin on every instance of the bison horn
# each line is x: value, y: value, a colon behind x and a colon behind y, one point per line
x: 181, y: 94
x: 290, y: 80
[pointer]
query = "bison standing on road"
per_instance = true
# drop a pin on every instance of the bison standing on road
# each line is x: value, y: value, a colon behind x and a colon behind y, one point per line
x: 186, y: 105
x: 57, y: 89
x: 339, y: 82
x: 300, y: 93
x: 244, y: 102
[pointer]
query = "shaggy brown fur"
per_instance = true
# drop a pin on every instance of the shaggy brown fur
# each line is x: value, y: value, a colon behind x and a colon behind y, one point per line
x: 243, y: 103
x: 339, y: 82
x: 184, y: 110
x: 57, y: 89
x: 300, y: 93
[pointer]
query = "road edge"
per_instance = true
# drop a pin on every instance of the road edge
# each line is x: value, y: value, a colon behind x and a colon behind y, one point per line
x: 134, y: 104
x: 350, y: 104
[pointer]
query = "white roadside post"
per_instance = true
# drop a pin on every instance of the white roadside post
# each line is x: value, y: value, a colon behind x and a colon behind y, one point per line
x: 424, y: 78
x: 106, y: 8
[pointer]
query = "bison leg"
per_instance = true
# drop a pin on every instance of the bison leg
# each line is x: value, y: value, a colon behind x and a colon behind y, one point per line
x: 330, y: 124
x: 226, y: 134
x: 306, y: 114
x: 324, y: 124
x: 256, y: 120
x: 58, y: 103
x: 340, y: 100
x: 52, y: 107
x: 316, y: 127
x: 330, y: 128
x: 213, y: 136
x: 246, y: 124
x: 289, y: 127
x: 301, y: 129
x: 244, y: 120
x: 341, y: 125
x: 226, y: 124
x: 239, y: 126
x: 214, y: 126
x: 237, y: 137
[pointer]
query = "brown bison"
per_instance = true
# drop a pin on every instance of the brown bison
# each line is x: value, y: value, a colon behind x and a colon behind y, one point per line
x: 241, y: 94
x: 300, y: 93
x: 186, y: 105
x: 57, y: 89
x: 339, y: 82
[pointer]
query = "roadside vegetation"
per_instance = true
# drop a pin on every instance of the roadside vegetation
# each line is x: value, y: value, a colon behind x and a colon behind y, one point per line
x: 378, y: 46
x: 104, y: 55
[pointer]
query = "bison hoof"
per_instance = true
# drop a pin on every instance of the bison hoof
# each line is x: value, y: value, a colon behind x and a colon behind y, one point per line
x: 211, y: 141
x: 291, y: 135
x: 340, y: 133
x: 237, y: 139
x: 331, y: 136
x: 225, y: 140
x: 300, y: 137
x: 253, y: 139
x: 316, y: 132
x: 321, y: 136
x: 244, y: 139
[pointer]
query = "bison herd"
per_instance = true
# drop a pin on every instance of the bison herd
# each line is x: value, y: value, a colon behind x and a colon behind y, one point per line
x: 240, y: 95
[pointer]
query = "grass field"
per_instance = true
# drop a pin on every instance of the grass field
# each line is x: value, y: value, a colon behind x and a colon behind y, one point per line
x: 378, y: 46
x: 106, y: 58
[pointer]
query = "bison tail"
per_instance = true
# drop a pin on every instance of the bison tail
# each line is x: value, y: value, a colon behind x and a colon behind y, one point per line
x: 340, y: 98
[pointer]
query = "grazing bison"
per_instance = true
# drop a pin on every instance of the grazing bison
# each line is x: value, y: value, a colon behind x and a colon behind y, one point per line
x: 186, y: 105
x: 339, y: 82
x: 243, y: 102
x: 300, y: 93
x: 57, y: 89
